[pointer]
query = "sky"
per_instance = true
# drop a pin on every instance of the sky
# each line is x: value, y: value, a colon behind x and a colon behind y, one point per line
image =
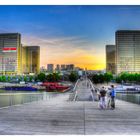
x: 70, y: 34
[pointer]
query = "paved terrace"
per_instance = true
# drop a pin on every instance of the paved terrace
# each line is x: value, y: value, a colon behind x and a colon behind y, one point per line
x: 60, y: 116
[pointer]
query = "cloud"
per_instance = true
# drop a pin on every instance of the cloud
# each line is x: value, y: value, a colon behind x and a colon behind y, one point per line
x: 65, y: 50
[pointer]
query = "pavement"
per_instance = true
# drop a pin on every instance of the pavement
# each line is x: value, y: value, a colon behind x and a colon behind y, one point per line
x: 59, y: 116
x: 84, y: 92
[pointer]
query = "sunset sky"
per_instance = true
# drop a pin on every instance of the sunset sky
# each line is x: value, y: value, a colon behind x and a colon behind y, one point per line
x: 69, y: 34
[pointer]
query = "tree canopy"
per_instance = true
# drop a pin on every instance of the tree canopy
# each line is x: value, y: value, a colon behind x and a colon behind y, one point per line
x: 101, y: 78
x: 53, y: 77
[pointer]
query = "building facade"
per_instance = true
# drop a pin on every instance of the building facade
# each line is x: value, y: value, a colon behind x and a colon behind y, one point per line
x: 50, y: 67
x: 30, y: 59
x: 110, y: 58
x: 10, y: 53
x: 70, y: 67
x: 128, y: 51
x: 63, y: 67
x: 57, y: 67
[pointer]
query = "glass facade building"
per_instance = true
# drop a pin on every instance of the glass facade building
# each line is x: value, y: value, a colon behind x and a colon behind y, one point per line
x: 10, y: 53
x: 128, y: 51
x: 110, y: 58
x: 30, y: 59
x: 15, y: 59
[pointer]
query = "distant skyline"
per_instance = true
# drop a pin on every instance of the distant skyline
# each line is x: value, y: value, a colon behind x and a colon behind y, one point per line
x: 70, y: 34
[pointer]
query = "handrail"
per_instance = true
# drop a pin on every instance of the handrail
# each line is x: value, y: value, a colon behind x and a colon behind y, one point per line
x: 75, y: 96
x: 74, y: 90
x: 91, y: 85
x: 93, y: 88
x: 75, y: 85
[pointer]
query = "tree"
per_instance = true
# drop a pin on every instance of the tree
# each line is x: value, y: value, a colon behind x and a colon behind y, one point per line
x: 31, y: 78
x: 8, y: 79
x: 53, y: 77
x: 95, y: 78
x: 118, y: 79
x: 101, y: 78
x: 56, y: 77
x: 3, y: 78
x: 124, y: 76
x: 73, y: 77
x: 138, y: 78
x: 128, y: 77
x: 25, y: 78
x: 108, y: 77
x: 41, y: 77
x: 0, y: 78
x: 20, y: 78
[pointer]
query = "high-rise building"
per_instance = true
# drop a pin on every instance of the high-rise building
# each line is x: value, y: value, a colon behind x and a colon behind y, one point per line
x: 57, y: 67
x: 63, y: 67
x: 10, y: 53
x: 110, y: 58
x: 30, y: 59
x: 50, y: 67
x: 70, y: 67
x: 127, y: 51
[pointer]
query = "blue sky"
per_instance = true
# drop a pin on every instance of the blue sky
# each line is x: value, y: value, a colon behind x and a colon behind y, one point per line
x: 69, y: 31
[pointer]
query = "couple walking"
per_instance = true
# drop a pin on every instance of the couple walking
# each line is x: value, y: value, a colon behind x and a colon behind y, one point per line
x: 110, y: 95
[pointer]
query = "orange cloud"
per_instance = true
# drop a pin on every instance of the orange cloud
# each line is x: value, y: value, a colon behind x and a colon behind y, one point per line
x: 68, y: 51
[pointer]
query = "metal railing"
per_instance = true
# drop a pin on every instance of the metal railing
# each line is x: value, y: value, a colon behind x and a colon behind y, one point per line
x: 10, y: 99
x: 130, y: 97
x: 75, y: 91
x: 94, y: 91
x: 75, y: 86
x: 72, y: 97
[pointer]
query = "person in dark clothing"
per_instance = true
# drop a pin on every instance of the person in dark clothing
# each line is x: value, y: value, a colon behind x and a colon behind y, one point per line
x: 102, y: 98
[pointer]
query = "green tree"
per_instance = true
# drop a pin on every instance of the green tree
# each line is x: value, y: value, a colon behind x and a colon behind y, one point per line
x: 31, y: 78
x: 20, y: 78
x: 49, y: 77
x: 41, y: 77
x: 128, y: 77
x: 0, y: 78
x: 3, y: 78
x: 53, y: 77
x: 118, y: 79
x: 73, y: 77
x: 56, y: 76
x: 108, y: 77
x: 138, y: 78
x: 124, y: 76
x: 25, y: 78
x: 95, y: 78
x: 8, y: 79
x: 101, y: 78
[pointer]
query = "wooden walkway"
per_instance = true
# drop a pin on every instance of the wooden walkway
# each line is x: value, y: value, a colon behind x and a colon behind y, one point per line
x: 60, y: 116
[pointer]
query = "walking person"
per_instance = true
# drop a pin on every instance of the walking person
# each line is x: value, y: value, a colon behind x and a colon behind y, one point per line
x: 112, y: 94
x: 102, y: 103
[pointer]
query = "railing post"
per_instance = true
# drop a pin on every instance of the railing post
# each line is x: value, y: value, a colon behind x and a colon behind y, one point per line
x: 74, y: 90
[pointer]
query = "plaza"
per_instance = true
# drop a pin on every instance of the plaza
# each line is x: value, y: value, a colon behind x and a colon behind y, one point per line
x: 61, y: 116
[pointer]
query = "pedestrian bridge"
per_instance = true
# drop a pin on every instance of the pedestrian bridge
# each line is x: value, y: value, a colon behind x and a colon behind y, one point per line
x: 84, y: 90
x: 61, y: 116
